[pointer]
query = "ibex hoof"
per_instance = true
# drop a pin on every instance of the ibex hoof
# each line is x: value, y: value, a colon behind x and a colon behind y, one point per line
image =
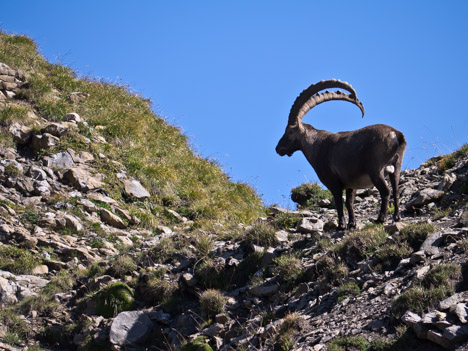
x: 379, y: 221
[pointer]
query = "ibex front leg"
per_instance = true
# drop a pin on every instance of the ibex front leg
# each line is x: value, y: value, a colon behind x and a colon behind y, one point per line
x: 350, y: 194
x: 338, y: 196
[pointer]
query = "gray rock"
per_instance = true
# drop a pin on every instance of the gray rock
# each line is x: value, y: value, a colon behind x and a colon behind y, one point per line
x: 453, y: 300
x: 431, y: 244
x: 60, y: 160
x: 82, y: 179
x: 282, y: 236
x: 109, y: 218
x: 37, y: 173
x: 21, y: 134
x: 461, y: 312
x: 134, y: 190
x: 213, y: 330
x: 73, y: 223
x: 410, y: 318
x: 437, y: 337
x: 189, y: 279
x: 447, y: 182
x: 456, y: 333
x: 44, y: 141
x: 463, y: 220
x: 310, y: 225
x: 8, y: 290
x: 424, y: 197
x: 72, y: 117
x: 130, y: 328
x: 262, y: 290
x: 56, y: 129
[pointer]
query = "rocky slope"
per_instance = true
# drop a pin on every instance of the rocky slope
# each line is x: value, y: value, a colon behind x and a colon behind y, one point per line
x: 82, y: 267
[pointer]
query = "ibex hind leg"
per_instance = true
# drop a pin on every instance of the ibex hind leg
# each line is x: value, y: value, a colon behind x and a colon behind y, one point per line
x: 395, y: 180
x: 382, y: 187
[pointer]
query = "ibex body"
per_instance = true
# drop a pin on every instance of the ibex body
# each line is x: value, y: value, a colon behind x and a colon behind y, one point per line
x: 347, y: 161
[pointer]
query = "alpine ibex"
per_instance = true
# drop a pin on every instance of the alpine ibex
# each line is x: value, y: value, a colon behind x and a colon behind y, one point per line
x: 351, y: 160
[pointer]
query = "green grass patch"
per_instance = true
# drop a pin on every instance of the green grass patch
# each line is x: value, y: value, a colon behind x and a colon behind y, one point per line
x: 154, y: 152
x: 436, y: 285
x: 348, y: 289
x: 17, y: 261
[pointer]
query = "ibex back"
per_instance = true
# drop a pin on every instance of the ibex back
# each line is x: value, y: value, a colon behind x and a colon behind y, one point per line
x: 348, y: 161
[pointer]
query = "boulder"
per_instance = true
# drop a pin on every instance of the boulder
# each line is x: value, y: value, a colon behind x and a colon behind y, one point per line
x: 60, y: 160
x: 310, y: 225
x: 21, y: 134
x: 111, y: 219
x: 82, y: 179
x: 130, y: 328
x: 424, y: 197
x: 134, y: 190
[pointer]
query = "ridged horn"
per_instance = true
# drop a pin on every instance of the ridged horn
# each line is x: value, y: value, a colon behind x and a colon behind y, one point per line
x: 311, y: 97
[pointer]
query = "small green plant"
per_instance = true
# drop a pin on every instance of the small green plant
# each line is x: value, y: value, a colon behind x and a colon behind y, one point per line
x: 388, y: 256
x: 416, y: 233
x: 62, y: 282
x: 113, y: 299
x: 16, y: 328
x: 448, y: 161
x: 286, y: 220
x: 204, y: 244
x: 436, y: 285
x: 155, y: 288
x: 212, y: 302
x: 288, y: 267
x: 12, y: 170
x: 329, y: 272
x: 391, y: 208
x: 444, y: 275
x: 211, y: 274
x: 122, y: 265
x: 348, y: 289
x: 439, y: 213
x: 262, y: 234
x: 199, y: 344
x: 31, y: 215
x: 362, y: 244
x: 308, y: 195
x: 348, y: 343
x: 42, y: 303
x: 290, y: 327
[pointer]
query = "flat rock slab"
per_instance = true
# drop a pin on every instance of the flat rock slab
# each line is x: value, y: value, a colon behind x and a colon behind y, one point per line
x: 130, y: 328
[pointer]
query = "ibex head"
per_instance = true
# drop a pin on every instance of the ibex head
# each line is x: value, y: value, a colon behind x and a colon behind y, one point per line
x: 309, y: 98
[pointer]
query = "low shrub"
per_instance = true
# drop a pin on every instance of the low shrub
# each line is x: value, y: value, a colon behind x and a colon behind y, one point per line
x: 308, y: 195
x: 212, y: 302
x: 113, y: 299
x: 262, y: 234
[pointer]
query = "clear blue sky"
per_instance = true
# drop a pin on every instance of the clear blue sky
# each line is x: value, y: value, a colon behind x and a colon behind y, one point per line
x: 227, y: 72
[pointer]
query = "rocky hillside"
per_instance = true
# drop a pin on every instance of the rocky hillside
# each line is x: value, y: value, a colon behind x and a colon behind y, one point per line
x: 114, y: 235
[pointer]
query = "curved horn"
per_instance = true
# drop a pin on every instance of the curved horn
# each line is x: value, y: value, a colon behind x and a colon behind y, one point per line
x: 311, y: 97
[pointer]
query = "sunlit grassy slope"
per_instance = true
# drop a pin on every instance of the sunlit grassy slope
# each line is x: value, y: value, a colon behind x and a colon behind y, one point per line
x: 153, y: 151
